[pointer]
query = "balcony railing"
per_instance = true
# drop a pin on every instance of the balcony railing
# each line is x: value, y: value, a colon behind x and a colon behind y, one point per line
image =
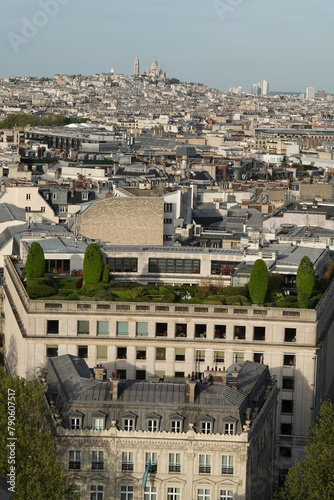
x: 227, y: 470
x: 204, y: 469
x: 174, y: 468
x: 97, y: 465
x: 127, y: 467
x: 74, y: 465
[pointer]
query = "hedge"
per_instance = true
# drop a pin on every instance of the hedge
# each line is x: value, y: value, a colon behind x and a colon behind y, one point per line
x: 258, y: 283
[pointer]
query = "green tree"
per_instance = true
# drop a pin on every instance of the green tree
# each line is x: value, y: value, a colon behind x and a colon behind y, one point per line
x: 38, y: 473
x: 305, y: 278
x: 313, y: 477
x: 105, y: 275
x: 93, y: 264
x: 258, y: 282
x: 35, y: 264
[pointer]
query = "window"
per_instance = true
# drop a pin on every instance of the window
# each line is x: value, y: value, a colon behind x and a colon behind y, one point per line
x: 141, y: 353
x: 200, y: 331
x: 54, y: 196
x: 97, y: 460
x: 127, y: 493
x: 203, y: 494
x: 287, y: 406
x: 161, y: 329
x: 160, y: 353
x: 121, y: 352
x: 96, y: 492
x: 28, y: 209
x: 238, y: 357
x: 142, y: 329
x: 127, y: 461
x: 74, y: 460
x: 258, y: 357
x: 220, y: 331
x: 218, y: 356
x: 122, y: 328
x: 239, y: 333
x: 140, y: 374
x: 129, y: 424
x: 174, y: 462
x: 122, y: 265
x: 77, y: 491
x: 153, y: 457
x: 83, y: 327
x: 285, y: 452
x: 290, y: 335
x: 98, y: 423
x: 153, y: 424
x: 180, y: 354
x: 160, y: 374
x: 168, y: 221
x: 226, y: 495
x: 83, y: 351
x: 102, y: 328
x: 180, y: 330
x: 52, y: 327
x: 51, y: 351
x: 174, y: 266
x: 84, y: 196
x: 199, y: 355
x: 121, y: 374
x: 62, y: 210
x: 286, y: 429
x: 168, y: 207
x: 288, y: 383
x: 176, y: 425
x: 227, y: 465
x: 42, y: 209
x: 75, y: 423
x: 150, y: 493
x: 206, y: 426
x: 204, y: 466
x: 28, y: 196
x: 259, y: 333
x: 229, y: 428
x: 179, y: 374
x: 102, y: 352
x: 289, y: 359
x: 222, y: 267
x: 173, y: 493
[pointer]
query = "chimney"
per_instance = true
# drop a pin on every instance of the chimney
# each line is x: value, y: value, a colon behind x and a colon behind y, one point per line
x: 114, y: 388
x: 100, y: 373
x: 191, y: 386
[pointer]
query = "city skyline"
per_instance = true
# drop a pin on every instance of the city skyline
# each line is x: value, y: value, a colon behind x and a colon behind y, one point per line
x: 222, y: 43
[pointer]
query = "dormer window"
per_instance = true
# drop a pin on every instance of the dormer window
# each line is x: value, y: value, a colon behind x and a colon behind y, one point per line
x: 153, y: 422
x: 84, y: 196
x: 54, y: 196
x: 98, y: 421
x: 176, y: 424
x: 129, y: 422
x: 206, y: 425
x: 75, y: 420
x: 230, y: 426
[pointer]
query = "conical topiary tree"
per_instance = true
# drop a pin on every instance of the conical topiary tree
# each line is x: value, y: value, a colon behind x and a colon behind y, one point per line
x: 35, y: 263
x: 305, y: 281
x: 258, y: 282
x: 93, y: 264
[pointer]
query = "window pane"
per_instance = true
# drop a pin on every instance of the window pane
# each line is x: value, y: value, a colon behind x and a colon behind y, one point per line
x: 83, y: 327
x: 142, y: 329
x: 103, y: 327
x: 122, y: 327
x: 102, y: 352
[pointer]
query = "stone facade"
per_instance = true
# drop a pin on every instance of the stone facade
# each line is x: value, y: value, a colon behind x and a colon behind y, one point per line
x: 125, y: 221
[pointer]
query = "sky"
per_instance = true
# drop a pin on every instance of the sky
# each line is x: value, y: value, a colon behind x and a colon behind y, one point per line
x: 221, y: 43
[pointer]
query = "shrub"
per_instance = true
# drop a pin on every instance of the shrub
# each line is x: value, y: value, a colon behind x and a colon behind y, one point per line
x: 73, y: 296
x: 105, y: 275
x: 275, y: 283
x: 93, y: 264
x: 92, y: 289
x: 305, y: 278
x: 229, y: 291
x: 37, y: 290
x: 258, y: 283
x: 35, y: 264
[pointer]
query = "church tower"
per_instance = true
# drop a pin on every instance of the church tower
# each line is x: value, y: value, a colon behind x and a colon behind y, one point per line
x: 136, y: 67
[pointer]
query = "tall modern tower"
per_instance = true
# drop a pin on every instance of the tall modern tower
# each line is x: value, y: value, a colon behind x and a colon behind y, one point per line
x: 310, y: 93
x: 136, y: 67
x: 265, y: 87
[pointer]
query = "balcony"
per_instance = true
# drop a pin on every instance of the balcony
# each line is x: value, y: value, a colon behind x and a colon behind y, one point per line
x: 74, y: 465
x: 127, y: 467
x: 204, y: 469
x: 174, y: 468
x: 97, y: 465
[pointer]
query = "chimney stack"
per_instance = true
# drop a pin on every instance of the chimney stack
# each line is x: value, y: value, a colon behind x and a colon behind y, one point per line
x: 114, y: 388
x: 100, y: 373
x: 191, y: 387
x: 235, y: 379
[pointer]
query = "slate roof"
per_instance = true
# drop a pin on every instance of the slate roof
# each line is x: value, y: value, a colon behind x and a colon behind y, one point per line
x: 11, y: 212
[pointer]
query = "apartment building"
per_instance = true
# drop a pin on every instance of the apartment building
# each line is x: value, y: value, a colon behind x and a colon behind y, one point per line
x: 200, y: 440
x: 141, y: 340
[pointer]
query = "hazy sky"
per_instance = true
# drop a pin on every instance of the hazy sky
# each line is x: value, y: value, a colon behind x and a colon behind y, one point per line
x: 221, y: 43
